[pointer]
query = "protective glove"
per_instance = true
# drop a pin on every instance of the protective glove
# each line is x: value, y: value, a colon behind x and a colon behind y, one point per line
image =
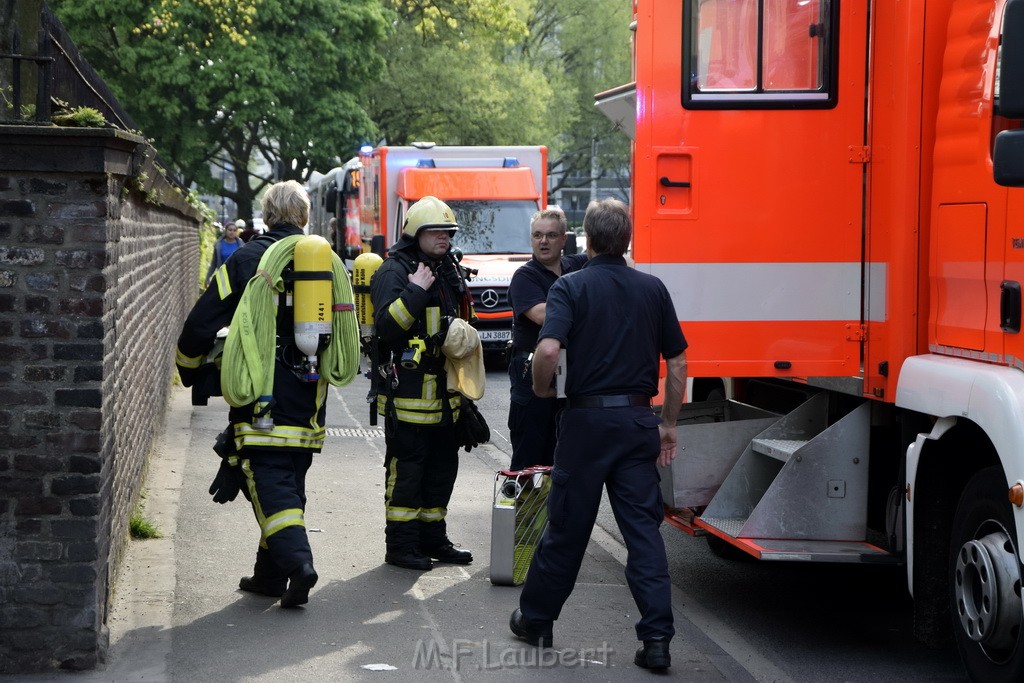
x: 229, y: 481
x: 472, y: 428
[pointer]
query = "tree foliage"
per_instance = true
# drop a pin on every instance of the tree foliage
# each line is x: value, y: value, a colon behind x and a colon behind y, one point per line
x: 584, y: 46
x: 219, y: 84
x: 450, y: 77
x: 502, y: 73
x: 221, y: 81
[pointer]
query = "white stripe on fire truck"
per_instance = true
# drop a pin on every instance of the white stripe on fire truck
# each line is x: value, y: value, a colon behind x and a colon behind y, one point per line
x: 716, y: 292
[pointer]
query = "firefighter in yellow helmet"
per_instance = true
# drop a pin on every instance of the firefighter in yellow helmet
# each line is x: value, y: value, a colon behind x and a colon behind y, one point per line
x: 417, y: 293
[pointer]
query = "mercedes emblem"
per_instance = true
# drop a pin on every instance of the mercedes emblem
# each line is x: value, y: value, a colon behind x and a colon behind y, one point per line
x: 489, y: 298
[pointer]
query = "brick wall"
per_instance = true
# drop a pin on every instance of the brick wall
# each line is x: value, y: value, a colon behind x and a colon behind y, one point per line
x: 97, y: 272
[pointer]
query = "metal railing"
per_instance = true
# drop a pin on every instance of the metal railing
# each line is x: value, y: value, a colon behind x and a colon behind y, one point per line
x: 13, y: 112
x: 61, y: 74
x: 74, y: 81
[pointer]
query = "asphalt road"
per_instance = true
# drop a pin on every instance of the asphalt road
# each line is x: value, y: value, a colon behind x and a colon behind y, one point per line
x: 176, y: 614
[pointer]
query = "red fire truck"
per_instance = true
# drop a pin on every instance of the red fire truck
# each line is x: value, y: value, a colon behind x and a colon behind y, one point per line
x: 832, y: 193
x: 335, y: 195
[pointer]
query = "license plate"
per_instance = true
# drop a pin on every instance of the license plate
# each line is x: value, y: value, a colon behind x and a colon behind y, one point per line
x: 495, y: 335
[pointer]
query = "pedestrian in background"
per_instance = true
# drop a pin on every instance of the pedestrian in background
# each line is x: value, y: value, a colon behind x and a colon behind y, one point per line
x: 531, y: 418
x: 226, y: 245
x: 268, y: 463
x: 419, y: 296
x: 246, y: 232
x: 614, y: 323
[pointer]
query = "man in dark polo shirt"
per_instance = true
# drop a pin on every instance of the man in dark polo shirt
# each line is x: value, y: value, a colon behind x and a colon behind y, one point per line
x: 614, y: 323
x: 531, y: 419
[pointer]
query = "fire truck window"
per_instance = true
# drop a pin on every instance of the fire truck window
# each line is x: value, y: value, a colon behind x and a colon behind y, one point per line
x: 489, y: 226
x: 790, y: 51
x: 726, y: 40
x: 758, y: 53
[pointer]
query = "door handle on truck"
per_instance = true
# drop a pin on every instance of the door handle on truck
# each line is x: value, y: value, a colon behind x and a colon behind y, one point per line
x: 673, y: 183
x: 1009, y: 306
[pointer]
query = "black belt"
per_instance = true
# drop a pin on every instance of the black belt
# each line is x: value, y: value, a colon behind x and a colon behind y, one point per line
x: 620, y: 401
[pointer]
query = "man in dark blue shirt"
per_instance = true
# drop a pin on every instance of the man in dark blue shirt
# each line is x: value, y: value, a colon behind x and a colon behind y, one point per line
x: 531, y: 419
x: 614, y: 323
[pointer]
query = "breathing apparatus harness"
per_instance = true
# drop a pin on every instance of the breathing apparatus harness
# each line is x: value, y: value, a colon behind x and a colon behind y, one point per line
x: 424, y: 352
x: 328, y: 350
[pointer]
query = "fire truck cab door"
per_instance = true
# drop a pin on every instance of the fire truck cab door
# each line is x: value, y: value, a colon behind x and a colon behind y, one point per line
x: 749, y: 179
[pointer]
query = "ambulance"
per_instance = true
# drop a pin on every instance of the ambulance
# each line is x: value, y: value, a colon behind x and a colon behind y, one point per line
x: 493, y: 190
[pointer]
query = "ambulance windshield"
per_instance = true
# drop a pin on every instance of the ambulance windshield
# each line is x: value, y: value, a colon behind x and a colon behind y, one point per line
x: 491, y: 226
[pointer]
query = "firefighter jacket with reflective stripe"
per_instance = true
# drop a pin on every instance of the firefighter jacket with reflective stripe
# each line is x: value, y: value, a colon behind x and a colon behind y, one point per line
x: 403, y: 312
x: 298, y: 408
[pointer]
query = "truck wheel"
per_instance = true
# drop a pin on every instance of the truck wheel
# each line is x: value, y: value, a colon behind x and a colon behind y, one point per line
x: 717, y: 394
x: 985, y: 581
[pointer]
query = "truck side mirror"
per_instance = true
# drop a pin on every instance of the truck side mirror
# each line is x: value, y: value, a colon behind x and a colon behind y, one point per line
x: 570, y: 244
x: 331, y: 200
x: 1008, y: 158
x: 377, y: 245
x: 1011, y: 64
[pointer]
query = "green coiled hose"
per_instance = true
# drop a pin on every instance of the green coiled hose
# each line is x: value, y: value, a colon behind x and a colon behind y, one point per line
x: 247, y: 370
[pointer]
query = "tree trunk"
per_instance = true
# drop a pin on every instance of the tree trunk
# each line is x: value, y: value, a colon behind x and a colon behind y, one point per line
x: 245, y: 195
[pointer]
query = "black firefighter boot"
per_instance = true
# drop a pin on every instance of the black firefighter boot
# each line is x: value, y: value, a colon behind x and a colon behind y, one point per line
x: 402, y: 542
x: 299, y: 583
x: 435, y: 544
x: 266, y: 578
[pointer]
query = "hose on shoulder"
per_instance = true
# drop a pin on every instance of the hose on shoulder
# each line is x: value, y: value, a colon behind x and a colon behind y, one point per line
x: 247, y: 370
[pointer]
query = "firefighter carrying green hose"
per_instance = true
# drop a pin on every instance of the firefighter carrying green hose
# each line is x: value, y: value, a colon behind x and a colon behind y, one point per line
x: 288, y: 301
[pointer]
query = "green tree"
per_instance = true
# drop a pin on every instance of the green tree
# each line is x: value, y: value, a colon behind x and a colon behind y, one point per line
x: 454, y: 76
x: 222, y: 81
x: 583, y: 46
x: 501, y: 73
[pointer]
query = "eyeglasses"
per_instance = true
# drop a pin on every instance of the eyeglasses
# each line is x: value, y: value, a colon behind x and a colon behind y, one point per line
x: 550, y: 236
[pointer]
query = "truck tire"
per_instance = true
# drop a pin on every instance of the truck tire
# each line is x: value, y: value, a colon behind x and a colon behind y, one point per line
x: 985, y: 581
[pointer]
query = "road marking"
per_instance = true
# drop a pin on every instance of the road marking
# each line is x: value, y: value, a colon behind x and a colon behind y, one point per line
x: 357, y: 432
x: 370, y: 435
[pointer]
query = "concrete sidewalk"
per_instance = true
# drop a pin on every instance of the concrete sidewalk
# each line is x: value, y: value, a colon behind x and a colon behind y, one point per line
x: 177, y: 614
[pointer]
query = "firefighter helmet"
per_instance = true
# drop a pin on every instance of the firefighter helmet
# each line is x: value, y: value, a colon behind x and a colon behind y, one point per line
x: 429, y: 213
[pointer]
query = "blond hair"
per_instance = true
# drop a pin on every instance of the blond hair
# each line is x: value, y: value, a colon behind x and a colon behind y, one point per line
x: 286, y: 202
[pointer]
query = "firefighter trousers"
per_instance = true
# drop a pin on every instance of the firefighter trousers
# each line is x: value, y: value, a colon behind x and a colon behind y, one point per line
x: 598, y: 447
x: 276, y: 480
x: 421, y: 464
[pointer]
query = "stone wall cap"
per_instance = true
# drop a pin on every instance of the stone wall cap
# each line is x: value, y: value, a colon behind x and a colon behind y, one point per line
x: 21, y: 130
x: 44, y: 149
